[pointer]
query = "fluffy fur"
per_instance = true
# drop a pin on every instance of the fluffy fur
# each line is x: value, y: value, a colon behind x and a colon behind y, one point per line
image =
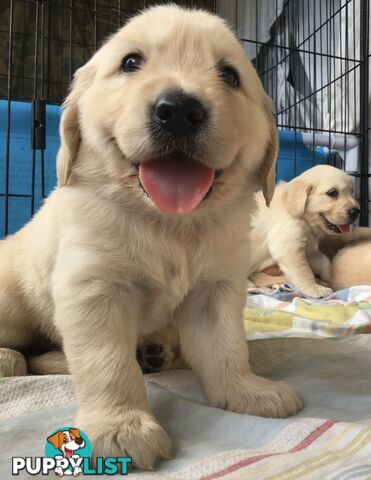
x: 352, y: 266
x: 288, y: 233
x: 100, y: 265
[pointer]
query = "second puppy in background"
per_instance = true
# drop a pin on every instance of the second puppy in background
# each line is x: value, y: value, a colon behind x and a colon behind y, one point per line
x: 352, y: 265
x: 303, y: 211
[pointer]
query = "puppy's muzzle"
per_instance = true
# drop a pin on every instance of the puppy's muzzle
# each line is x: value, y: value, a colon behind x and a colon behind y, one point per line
x: 353, y: 213
x: 179, y: 114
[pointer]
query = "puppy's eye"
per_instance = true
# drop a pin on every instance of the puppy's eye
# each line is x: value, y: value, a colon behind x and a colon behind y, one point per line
x: 333, y: 193
x: 131, y: 63
x: 229, y: 75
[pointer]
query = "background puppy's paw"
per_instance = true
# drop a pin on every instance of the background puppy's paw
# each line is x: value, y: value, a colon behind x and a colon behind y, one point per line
x: 134, y: 433
x: 160, y: 351
x: 154, y: 357
x: 317, y: 291
x: 258, y: 396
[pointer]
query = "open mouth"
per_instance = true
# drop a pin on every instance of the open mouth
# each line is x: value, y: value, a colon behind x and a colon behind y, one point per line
x: 68, y: 453
x: 175, y: 183
x: 335, y: 228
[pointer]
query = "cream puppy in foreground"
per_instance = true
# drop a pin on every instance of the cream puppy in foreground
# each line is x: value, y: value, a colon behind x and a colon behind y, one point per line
x: 303, y: 212
x: 165, y: 136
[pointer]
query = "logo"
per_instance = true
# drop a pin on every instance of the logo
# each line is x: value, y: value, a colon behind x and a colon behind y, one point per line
x: 68, y: 451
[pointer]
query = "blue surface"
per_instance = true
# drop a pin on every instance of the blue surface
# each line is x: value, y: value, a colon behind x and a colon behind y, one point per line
x: 20, y: 161
x: 294, y: 158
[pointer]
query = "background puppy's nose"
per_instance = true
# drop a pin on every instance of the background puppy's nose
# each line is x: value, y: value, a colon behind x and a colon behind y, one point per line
x: 353, y: 213
x: 179, y: 113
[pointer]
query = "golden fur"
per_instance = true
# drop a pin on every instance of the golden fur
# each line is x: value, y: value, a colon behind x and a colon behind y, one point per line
x: 352, y: 266
x: 288, y: 233
x: 100, y: 265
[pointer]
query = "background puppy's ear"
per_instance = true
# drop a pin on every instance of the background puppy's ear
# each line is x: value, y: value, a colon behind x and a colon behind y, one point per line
x: 69, y: 129
x: 267, y: 173
x: 295, y: 197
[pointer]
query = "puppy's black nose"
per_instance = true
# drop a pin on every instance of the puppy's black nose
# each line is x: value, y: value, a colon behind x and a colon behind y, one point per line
x: 179, y: 114
x: 79, y: 440
x: 353, y: 213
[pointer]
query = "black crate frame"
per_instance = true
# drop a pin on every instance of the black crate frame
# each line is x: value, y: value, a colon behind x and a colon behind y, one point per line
x: 362, y: 63
x: 21, y: 81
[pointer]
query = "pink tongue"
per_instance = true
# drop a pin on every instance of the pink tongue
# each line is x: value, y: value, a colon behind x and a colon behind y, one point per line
x: 344, y: 228
x: 175, y: 184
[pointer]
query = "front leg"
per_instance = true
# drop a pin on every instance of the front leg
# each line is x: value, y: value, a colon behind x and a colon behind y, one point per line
x: 214, y: 344
x: 320, y: 265
x: 294, y: 265
x: 96, y: 313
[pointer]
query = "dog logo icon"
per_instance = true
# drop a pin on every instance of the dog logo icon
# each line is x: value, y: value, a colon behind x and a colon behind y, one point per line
x: 67, y: 441
x: 68, y: 451
x: 67, y: 444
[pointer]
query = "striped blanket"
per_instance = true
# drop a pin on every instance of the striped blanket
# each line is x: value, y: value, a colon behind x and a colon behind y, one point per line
x: 330, y: 439
x: 324, y: 449
x: 284, y: 312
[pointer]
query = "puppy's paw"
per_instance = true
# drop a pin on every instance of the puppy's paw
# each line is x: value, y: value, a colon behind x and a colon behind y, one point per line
x: 317, y: 291
x: 258, y: 396
x: 134, y: 433
x: 153, y: 357
x: 77, y: 471
x: 158, y: 353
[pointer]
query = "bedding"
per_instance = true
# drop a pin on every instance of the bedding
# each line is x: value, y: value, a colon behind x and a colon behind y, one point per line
x: 282, y: 311
x: 329, y: 439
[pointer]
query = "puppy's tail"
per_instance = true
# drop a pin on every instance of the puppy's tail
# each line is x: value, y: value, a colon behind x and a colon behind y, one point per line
x: 12, y: 363
x: 49, y: 363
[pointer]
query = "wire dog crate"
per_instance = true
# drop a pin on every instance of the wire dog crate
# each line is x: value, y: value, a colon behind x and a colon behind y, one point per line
x: 312, y: 57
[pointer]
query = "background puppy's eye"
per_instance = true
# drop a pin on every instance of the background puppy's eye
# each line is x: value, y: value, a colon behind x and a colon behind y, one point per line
x: 229, y: 75
x: 132, y: 62
x: 332, y: 193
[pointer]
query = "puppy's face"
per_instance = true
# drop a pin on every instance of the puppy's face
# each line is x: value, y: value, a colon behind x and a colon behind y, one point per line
x: 325, y: 195
x: 174, y: 113
x: 67, y: 441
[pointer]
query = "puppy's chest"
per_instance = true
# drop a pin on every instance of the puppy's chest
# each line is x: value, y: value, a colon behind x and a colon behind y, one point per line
x: 167, y: 279
x: 170, y: 266
x: 172, y: 276
x: 311, y: 242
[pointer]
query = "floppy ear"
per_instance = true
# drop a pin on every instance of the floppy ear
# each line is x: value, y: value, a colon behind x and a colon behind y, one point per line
x: 56, y: 440
x: 267, y: 173
x: 75, y: 432
x: 69, y: 129
x: 295, y: 197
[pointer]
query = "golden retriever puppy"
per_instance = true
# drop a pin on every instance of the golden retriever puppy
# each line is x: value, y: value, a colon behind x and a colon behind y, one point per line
x: 165, y: 136
x: 315, y: 204
x: 352, y: 266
